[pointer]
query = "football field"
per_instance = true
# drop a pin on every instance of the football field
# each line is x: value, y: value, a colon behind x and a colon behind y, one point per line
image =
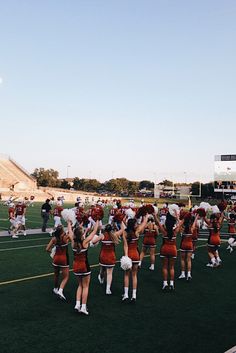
x: 199, y: 316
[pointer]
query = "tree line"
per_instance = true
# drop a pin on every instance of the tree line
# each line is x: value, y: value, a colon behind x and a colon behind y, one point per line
x: 119, y: 186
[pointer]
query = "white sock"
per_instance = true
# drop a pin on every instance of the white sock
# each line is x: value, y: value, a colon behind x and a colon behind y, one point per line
x: 183, y: 273
x: 189, y: 274
x: 77, y: 304
x: 83, y: 306
x: 126, y: 291
x: 60, y: 291
x: 218, y: 259
x: 134, y: 293
x: 165, y: 283
x: 171, y: 283
x: 108, y: 287
x: 152, y: 266
x: 213, y: 260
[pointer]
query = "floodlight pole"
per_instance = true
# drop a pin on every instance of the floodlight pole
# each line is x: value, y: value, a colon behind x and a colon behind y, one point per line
x: 67, y: 171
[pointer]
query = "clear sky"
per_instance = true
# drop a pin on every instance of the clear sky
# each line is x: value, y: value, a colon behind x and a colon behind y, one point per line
x: 142, y: 89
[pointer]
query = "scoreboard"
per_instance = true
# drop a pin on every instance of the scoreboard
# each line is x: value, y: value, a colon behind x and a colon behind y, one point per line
x: 225, y: 173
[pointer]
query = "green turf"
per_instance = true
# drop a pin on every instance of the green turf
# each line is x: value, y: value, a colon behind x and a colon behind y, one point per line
x: 198, y: 317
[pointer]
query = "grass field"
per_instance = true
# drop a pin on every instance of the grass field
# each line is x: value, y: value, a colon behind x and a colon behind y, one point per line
x: 197, y: 317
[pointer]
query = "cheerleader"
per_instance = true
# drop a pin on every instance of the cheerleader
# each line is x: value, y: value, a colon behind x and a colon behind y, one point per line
x: 186, y: 245
x: 130, y: 240
x: 168, y: 252
x: 213, y: 244
x: 195, y: 235
x: 57, y: 216
x: 58, y: 245
x: 232, y: 232
x: 107, y: 257
x: 81, y: 268
x: 149, y: 241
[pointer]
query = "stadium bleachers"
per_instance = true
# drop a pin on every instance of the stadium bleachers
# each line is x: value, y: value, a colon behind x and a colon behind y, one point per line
x: 14, y: 176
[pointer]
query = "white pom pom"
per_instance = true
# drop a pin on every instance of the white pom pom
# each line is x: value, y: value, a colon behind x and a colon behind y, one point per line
x: 65, y: 214
x: 231, y: 241
x: 173, y: 209
x: 69, y: 215
x: 205, y: 205
x: 130, y: 213
x: 72, y: 216
x: 155, y: 209
x: 215, y: 209
x: 125, y: 263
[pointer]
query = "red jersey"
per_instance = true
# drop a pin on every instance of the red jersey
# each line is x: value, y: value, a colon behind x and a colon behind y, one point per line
x: 168, y: 248
x: 107, y: 256
x: 80, y: 264
x: 214, y: 237
x: 57, y: 211
x: 133, y: 251
x: 149, y: 239
x: 186, y: 242
x: 61, y: 257
x: 232, y: 227
x: 20, y: 209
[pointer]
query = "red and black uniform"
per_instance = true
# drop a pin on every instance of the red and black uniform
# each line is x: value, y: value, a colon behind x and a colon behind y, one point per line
x: 133, y: 251
x: 186, y: 244
x: 232, y: 229
x: 214, y: 238
x: 107, y: 257
x: 195, y: 234
x: 149, y: 239
x: 61, y: 257
x: 168, y: 248
x: 80, y: 264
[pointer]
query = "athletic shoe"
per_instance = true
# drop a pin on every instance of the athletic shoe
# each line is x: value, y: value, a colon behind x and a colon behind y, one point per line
x: 192, y: 256
x: 151, y: 268
x: 165, y: 287
x: 181, y: 276
x: 55, y: 291
x: 218, y: 263
x: 231, y: 250
x: 84, y: 311
x: 25, y: 234
x: 209, y: 265
x: 108, y: 292
x: 172, y: 288
x: 15, y: 237
x: 228, y: 247
x: 100, y: 279
x: 77, y: 308
x: 189, y: 278
x: 125, y: 298
x: 133, y: 300
x: 61, y: 296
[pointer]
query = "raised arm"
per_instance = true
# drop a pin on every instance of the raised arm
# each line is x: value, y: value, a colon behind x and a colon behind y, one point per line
x: 70, y: 231
x: 125, y: 244
x: 91, y: 235
x: 50, y: 245
x: 142, y: 226
x: 194, y: 225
